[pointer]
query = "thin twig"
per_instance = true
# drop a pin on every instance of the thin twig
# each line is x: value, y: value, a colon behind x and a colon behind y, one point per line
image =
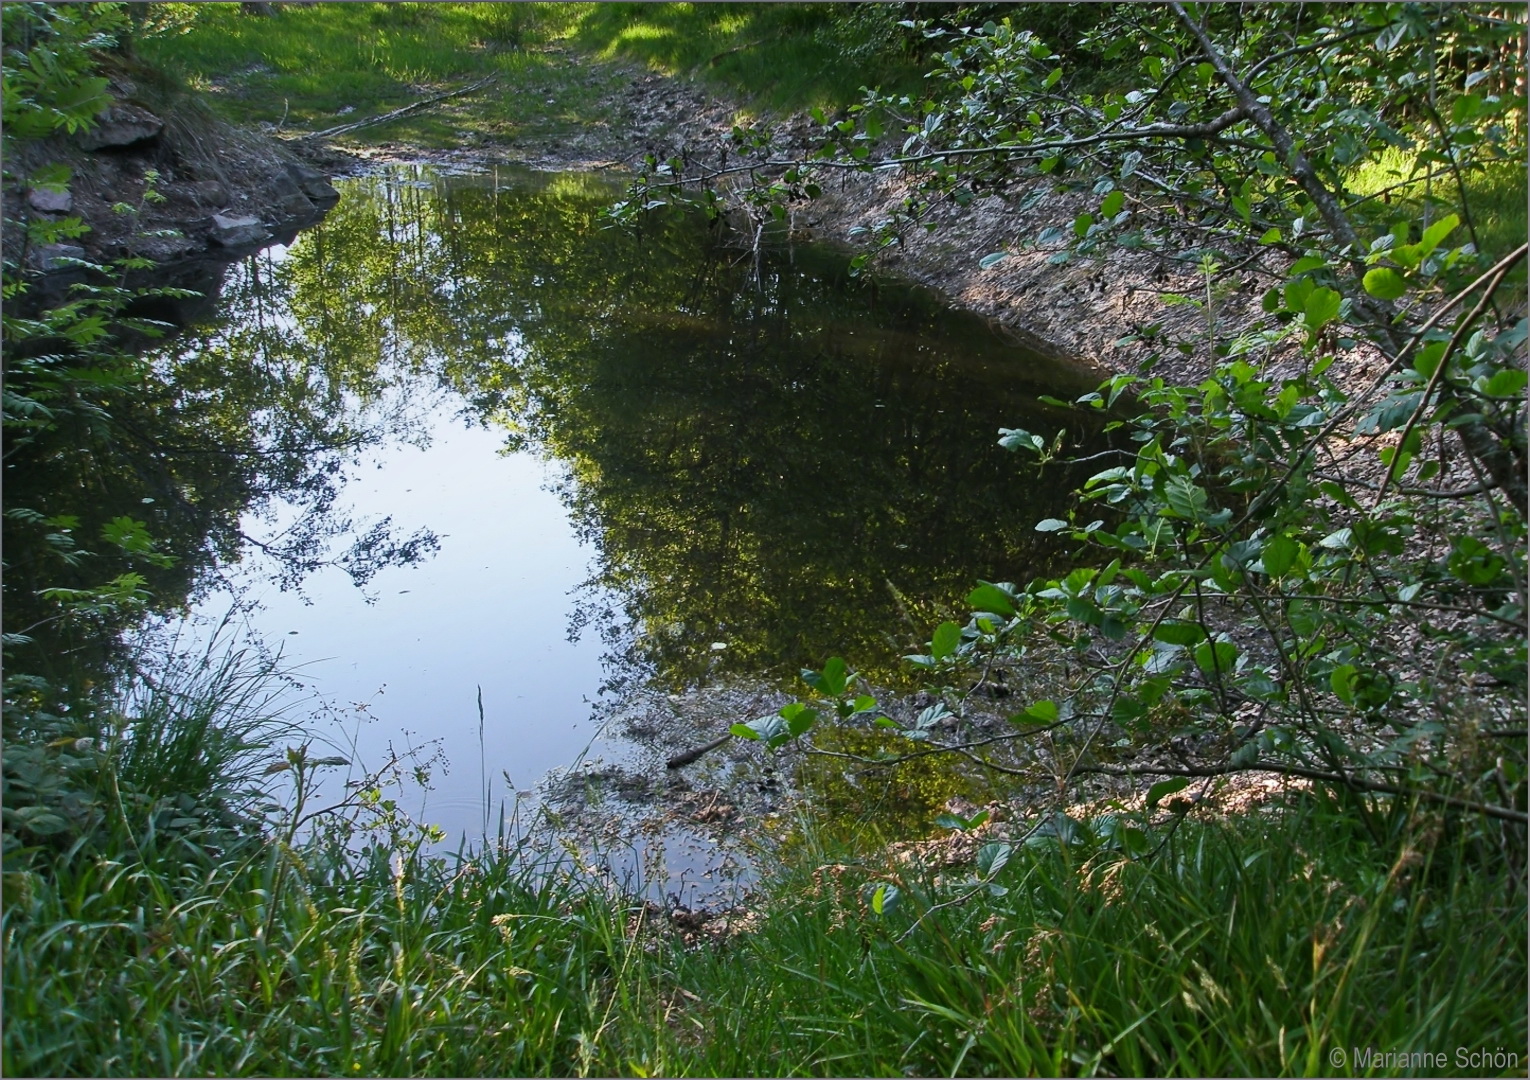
x: 396, y: 113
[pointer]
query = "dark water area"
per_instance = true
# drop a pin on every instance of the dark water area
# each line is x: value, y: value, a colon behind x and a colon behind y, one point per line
x: 467, y: 439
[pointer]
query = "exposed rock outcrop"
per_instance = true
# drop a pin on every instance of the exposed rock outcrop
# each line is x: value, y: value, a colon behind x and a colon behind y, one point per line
x: 157, y: 176
x: 119, y: 126
x: 237, y: 230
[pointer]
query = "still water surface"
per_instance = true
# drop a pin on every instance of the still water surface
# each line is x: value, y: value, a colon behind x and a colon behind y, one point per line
x: 651, y: 459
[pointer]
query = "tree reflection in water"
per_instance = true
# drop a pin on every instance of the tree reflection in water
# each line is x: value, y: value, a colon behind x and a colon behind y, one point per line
x: 773, y: 461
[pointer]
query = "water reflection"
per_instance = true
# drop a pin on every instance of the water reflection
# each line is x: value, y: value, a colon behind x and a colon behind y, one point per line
x: 772, y: 462
x: 766, y: 462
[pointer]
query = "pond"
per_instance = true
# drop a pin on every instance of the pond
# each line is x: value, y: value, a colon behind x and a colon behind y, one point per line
x: 620, y: 469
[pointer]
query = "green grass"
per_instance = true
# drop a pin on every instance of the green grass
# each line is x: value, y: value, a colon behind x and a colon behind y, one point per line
x: 1252, y: 947
x: 780, y: 57
x: 1495, y: 197
x: 303, y: 66
x: 273, y: 962
x: 1258, y: 945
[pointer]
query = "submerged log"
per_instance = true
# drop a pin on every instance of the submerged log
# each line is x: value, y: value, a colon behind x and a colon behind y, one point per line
x: 682, y: 760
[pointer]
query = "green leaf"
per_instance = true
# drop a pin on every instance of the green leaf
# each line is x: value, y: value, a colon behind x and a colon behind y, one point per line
x: 1342, y: 680
x: 1044, y: 712
x: 1132, y: 840
x: 1113, y: 204
x: 1297, y: 291
x: 992, y: 260
x: 831, y: 680
x: 1215, y: 658
x: 955, y: 821
x: 1245, y: 756
x: 1436, y: 233
x: 835, y: 672
x: 992, y: 857
x: 1384, y: 283
x: 1279, y: 555
x: 1271, y: 236
x: 799, y: 718
x: 1050, y: 525
x: 1157, y: 792
x: 1428, y: 359
x: 1185, y: 498
x: 744, y: 731
x: 988, y: 597
x: 947, y: 637
x: 1506, y: 383
x: 1321, y: 308
x: 884, y: 898
x: 1179, y: 633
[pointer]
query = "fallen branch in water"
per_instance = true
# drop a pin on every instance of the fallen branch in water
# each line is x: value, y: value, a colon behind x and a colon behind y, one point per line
x: 396, y: 113
x: 681, y: 760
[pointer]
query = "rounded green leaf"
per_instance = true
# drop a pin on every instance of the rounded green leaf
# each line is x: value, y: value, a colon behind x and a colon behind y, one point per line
x: 1178, y: 633
x: 1385, y: 283
x: 1322, y: 307
x: 945, y: 640
x: 1045, y: 712
x: 1279, y: 555
x: 991, y: 598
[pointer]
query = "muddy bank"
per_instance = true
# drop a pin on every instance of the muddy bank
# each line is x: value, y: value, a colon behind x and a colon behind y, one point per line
x: 157, y: 177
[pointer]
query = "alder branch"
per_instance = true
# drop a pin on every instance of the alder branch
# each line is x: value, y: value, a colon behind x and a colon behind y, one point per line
x: 1206, y: 130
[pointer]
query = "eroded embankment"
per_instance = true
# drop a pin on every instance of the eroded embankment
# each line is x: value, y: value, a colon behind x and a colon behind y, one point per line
x: 156, y: 177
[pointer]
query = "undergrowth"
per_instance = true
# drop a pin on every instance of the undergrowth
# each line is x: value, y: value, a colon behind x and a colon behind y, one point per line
x: 1397, y: 182
x: 160, y: 938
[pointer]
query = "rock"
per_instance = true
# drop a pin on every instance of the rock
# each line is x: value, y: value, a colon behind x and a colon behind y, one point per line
x: 286, y: 198
x: 45, y: 201
x: 295, y: 205
x: 165, y: 248
x: 237, y: 230
x: 209, y: 193
x: 313, y: 184
x: 51, y: 256
x: 281, y: 185
x: 121, y: 125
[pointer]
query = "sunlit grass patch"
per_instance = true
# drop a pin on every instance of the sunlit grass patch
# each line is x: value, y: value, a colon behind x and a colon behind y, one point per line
x: 781, y: 57
x: 1395, y: 184
x: 312, y: 67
